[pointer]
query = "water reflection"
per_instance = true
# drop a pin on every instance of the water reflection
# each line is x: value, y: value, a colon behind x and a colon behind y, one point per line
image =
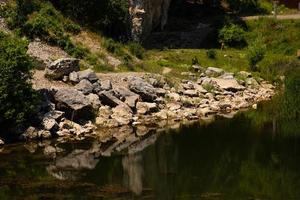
x: 133, y: 172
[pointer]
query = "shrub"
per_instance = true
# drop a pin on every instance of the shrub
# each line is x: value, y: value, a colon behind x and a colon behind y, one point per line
x: 195, y: 61
x: 255, y: 53
x: 17, y: 98
x: 232, y: 35
x: 109, y: 16
x: 137, y: 50
x: 211, y: 53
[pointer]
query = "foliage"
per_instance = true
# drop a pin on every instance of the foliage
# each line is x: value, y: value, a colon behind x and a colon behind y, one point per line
x: 42, y: 20
x: 211, y: 53
x: 255, y: 53
x: 232, y: 35
x: 109, y: 16
x: 17, y: 98
x: 249, y: 6
x: 280, y: 36
x: 136, y: 49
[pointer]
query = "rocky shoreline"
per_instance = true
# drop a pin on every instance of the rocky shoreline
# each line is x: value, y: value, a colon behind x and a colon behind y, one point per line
x: 88, y: 104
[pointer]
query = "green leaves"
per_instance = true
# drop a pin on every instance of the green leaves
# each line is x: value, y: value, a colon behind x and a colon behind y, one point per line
x: 17, y: 98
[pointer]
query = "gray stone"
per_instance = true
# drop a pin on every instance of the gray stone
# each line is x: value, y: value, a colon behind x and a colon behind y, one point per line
x: 85, y: 86
x: 61, y: 67
x: 244, y: 74
x: 94, y: 101
x: 122, y: 114
x: 106, y: 85
x: 161, y: 92
x: 49, y: 124
x: 89, y: 75
x: 44, y: 134
x: 214, y: 72
x: 191, y: 93
x: 200, y: 89
x: 1, y: 142
x: 104, y: 112
x: 74, y: 77
x: 55, y: 114
x: 198, y: 68
x: 109, y: 98
x: 73, y: 102
x: 30, y: 134
x: 146, y: 108
x: 97, y: 87
x: 173, y: 96
x: 130, y: 98
x: 144, y: 89
x: 228, y: 84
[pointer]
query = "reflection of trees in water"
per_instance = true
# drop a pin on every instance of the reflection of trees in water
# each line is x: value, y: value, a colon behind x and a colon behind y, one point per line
x: 283, y: 112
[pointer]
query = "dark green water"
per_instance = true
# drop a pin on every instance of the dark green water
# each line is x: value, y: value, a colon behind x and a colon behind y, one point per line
x: 255, y: 155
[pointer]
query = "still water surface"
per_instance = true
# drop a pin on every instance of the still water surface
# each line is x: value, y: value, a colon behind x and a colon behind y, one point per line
x: 255, y: 155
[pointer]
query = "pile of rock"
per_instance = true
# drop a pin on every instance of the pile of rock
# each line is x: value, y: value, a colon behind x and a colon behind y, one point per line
x: 140, y: 101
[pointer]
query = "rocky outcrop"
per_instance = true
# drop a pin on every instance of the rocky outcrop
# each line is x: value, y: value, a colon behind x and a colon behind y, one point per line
x: 146, y: 15
x: 61, y: 67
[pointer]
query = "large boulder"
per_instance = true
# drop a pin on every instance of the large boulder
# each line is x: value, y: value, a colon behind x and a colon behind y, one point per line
x: 228, y: 84
x: 144, y: 89
x: 108, y: 98
x: 61, y: 67
x: 73, y: 102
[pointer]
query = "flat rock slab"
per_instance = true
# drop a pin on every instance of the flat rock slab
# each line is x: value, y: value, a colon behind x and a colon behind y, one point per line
x: 228, y: 84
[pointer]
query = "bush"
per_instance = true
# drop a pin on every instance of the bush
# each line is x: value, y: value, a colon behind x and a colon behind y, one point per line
x: 232, y: 35
x: 255, y: 53
x: 137, y: 50
x: 109, y: 16
x: 17, y: 98
x: 211, y: 53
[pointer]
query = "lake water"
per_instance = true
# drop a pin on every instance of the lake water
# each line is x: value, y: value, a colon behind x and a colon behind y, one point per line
x: 255, y: 155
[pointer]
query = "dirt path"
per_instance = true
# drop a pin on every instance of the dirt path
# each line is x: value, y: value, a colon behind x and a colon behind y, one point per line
x: 279, y: 17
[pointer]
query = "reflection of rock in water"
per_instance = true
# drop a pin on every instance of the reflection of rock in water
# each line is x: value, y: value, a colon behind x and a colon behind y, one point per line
x: 133, y: 173
x: 141, y: 145
x: 67, y: 167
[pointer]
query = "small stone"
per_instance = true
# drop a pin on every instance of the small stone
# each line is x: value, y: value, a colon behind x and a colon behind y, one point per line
x: 122, y: 114
x: 74, y: 77
x: 88, y: 75
x: 214, y: 72
x: 49, y: 124
x: 106, y: 85
x: 146, y: 108
x: 173, y: 96
x: 85, y: 86
x: 254, y: 106
x: 94, y: 100
x: 44, y: 134
x: 1, y: 142
x: 30, y: 134
x: 191, y: 93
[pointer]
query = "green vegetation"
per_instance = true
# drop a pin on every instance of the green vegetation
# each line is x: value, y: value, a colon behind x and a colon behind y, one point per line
x: 256, y: 52
x: 108, y: 16
x: 232, y: 35
x: 38, y: 19
x: 211, y: 53
x: 17, y: 98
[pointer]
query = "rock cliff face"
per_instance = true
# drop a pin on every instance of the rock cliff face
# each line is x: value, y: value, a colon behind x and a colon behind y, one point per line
x: 145, y: 15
